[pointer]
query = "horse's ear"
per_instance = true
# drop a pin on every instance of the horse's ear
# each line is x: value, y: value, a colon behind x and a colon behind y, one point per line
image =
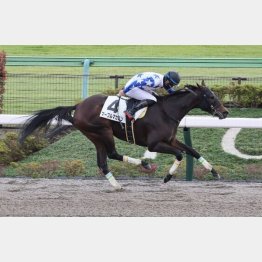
x: 203, y: 83
x: 197, y: 85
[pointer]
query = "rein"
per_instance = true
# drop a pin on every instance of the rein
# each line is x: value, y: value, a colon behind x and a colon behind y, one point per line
x: 213, y: 108
x: 170, y: 116
x: 191, y: 91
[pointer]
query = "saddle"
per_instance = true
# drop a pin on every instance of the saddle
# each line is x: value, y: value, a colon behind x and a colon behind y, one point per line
x: 114, y: 108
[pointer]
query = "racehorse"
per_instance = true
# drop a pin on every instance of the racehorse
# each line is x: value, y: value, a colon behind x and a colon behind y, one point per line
x: 156, y: 130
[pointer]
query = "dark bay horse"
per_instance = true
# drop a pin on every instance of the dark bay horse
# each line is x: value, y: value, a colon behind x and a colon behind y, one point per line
x: 156, y: 130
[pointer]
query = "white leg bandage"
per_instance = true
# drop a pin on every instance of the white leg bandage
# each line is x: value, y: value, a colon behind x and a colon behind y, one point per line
x: 205, y: 163
x: 149, y: 155
x: 174, y: 167
x: 113, y: 181
x: 131, y: 160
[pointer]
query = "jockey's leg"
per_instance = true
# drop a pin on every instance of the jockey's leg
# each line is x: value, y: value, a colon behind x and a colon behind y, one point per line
x: 146, y: 99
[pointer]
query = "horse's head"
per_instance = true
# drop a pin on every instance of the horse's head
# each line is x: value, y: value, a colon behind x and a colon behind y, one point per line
x: 209, y: 102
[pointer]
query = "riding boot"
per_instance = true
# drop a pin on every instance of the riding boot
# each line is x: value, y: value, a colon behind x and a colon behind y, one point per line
x: 143, y: 103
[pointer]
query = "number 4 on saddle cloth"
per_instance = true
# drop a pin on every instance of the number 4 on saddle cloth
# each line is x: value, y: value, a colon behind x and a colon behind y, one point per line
x: 114, y: 108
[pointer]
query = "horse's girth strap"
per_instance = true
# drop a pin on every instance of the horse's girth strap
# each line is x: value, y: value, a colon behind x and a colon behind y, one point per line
x: 129, y: 130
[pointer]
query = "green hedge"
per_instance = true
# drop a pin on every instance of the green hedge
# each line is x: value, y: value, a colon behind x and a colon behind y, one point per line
x: 234, y: 95
x: 240, y: 95
x: 12, y: 151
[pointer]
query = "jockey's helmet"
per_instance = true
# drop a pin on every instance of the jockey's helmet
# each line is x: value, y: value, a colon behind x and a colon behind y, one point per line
x: 173, y: 78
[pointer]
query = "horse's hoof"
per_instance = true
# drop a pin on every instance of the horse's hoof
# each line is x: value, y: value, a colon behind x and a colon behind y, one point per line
x: 218, y: 177
x: 167, y: 178
x: 121, y: 189
x: 215, y: 174
x: 150, y: 168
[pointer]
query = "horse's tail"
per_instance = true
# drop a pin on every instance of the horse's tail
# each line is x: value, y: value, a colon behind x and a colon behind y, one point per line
x: 43, y: 119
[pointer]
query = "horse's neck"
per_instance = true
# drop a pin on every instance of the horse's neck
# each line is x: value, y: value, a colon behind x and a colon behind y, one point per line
x: 179, y: 106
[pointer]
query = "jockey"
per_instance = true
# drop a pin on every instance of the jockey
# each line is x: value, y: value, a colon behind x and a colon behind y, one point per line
x: 142, y: 86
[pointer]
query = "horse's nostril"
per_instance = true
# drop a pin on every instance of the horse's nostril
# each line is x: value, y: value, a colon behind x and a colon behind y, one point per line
x: 225, y: 114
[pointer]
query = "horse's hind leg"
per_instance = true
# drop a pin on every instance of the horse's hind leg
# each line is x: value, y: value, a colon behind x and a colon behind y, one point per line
x: 102, y: 158
x: 113, y: 154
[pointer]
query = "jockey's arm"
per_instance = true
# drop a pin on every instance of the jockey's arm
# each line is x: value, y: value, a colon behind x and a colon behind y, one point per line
x: 170, y: 90
x: 121, y: 93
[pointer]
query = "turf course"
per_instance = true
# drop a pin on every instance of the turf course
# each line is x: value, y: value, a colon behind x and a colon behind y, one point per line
x: 207, y: 141
x: 178, y: 51
x: 236, y: 51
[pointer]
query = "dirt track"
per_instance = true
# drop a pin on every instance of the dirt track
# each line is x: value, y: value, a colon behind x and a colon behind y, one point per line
x: 151, y: 198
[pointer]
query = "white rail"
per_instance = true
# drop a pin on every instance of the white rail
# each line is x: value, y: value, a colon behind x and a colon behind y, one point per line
x: 19, y: 120
x: 188, y: 121
x: 211, y: 122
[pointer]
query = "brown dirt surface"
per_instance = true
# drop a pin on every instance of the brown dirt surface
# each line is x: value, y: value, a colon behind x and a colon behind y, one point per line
x: 140, y: 198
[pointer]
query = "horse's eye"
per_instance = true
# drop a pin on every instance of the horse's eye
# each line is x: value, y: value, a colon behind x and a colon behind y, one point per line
x: 212, y: 97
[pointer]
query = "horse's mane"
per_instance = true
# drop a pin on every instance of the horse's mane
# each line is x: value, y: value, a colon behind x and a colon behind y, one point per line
x: 182, y: 91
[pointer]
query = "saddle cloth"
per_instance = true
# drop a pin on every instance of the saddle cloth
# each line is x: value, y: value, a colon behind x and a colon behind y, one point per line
x: 114, y: 108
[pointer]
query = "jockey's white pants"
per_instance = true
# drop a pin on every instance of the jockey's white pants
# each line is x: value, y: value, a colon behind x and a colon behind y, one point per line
x: 140, y: 94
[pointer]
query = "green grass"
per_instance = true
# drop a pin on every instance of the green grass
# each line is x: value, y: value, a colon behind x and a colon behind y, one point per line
x: 178, y: 51
x: 181, y: 51
x: 250, y: 141
x: 16, y: 97
x: 207, y: 141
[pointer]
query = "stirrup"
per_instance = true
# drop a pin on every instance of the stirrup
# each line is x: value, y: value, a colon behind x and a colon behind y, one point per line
x: 130, y: 117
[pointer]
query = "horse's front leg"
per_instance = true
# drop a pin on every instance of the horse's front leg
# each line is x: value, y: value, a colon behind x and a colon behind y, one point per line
x: 162, y: 147
x: 189, y: 150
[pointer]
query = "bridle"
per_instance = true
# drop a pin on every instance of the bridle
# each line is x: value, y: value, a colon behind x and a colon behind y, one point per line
x: 212, y: 106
